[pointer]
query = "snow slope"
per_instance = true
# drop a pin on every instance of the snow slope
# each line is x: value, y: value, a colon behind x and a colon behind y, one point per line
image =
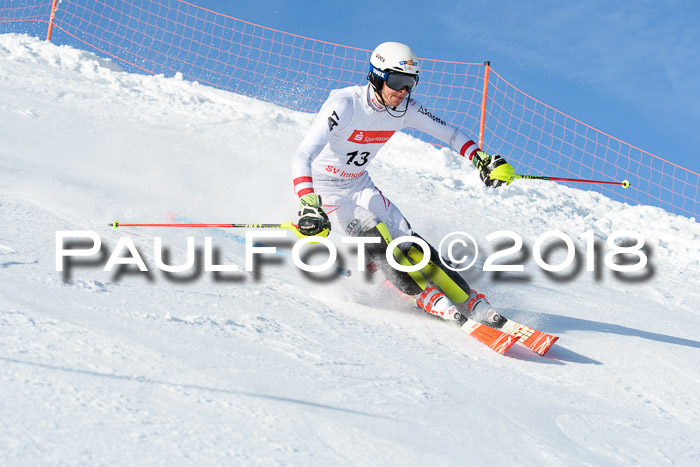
x: 136, y: 368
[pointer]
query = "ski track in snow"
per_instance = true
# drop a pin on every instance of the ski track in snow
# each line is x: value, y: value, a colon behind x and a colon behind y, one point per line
x: 141, y: 368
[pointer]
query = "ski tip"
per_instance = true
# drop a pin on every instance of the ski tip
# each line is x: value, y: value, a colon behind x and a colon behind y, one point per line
x: 503, y: 345
x: 543, y: 345
x: 537, y: 341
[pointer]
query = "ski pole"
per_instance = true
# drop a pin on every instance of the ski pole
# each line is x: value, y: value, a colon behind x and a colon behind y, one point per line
x: 623, y: 183
x: 283, y: 225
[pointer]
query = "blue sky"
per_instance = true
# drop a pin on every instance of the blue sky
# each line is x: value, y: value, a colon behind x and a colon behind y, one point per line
x: 628, y: 68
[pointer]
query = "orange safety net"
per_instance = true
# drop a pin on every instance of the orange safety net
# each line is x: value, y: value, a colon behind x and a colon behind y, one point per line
x: 175, y: 36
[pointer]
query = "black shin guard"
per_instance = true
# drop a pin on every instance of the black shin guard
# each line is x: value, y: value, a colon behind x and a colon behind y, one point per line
x: 408, y: 283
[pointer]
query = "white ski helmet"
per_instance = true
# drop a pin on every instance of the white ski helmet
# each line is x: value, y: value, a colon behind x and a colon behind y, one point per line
x: 395, y: 64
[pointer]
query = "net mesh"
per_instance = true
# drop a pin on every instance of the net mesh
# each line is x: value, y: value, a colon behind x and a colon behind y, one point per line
x: 175, y: 36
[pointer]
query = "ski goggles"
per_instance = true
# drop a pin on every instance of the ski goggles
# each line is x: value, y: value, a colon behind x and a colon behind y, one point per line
x: 395, y: 79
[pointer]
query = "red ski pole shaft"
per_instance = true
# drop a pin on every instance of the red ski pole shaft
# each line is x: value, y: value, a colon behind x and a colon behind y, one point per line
x: 284, y: 225
x: 623, y: 183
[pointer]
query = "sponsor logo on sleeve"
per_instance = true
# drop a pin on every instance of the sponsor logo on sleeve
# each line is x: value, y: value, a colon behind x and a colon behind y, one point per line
x: 426, y: 112
x: 333, y: 122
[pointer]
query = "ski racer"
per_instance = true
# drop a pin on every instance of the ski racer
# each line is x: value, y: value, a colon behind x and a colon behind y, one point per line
x: 334, y: 188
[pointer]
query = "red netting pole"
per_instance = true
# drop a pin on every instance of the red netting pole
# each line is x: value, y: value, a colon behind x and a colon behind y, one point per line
x: 482, y: 125
x: 53, y: 14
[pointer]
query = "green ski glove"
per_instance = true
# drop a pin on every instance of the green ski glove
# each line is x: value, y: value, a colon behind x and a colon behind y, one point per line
x: 493, y: 171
